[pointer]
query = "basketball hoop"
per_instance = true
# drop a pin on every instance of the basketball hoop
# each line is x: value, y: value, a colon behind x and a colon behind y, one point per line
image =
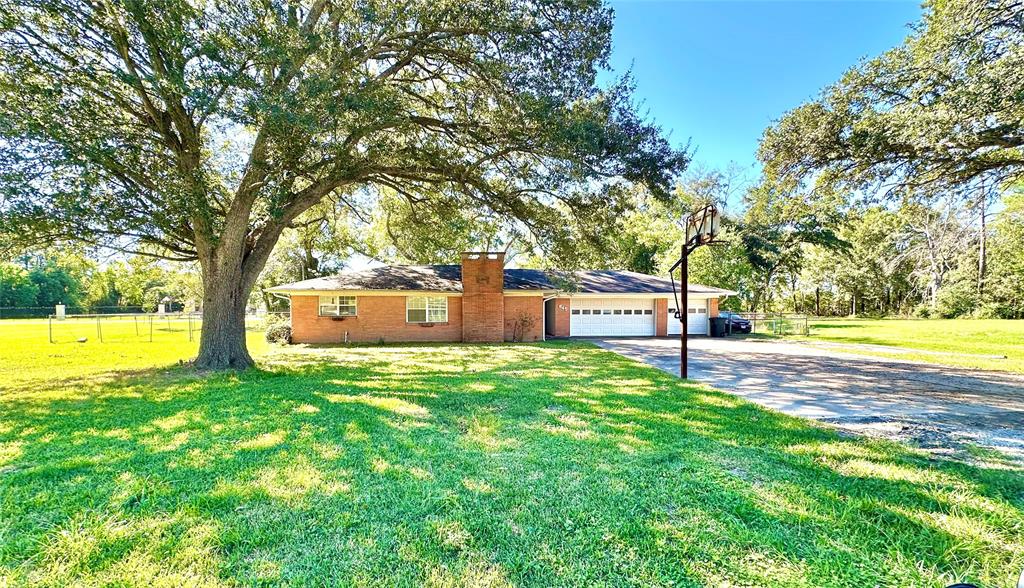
x: 701, y: 229
x: 702, y: 226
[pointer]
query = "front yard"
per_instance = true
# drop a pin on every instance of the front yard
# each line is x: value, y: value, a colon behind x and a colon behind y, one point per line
x: 547, y: 464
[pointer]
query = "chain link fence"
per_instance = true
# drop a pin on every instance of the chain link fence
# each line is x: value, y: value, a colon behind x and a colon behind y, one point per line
x: 777, y: 323
x: 42, y: 312
x: 141, y: 327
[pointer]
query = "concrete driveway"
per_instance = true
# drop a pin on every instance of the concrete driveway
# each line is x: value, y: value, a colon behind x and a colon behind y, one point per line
x: 940, y: 408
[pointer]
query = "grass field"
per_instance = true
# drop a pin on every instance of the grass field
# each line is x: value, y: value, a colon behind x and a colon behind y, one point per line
x: 955, y: 339
x: 448, y: 465
x: 28, y: 357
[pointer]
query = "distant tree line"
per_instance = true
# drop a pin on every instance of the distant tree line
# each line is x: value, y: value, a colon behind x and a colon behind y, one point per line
x: 786, y: 252
x: 42, y: 280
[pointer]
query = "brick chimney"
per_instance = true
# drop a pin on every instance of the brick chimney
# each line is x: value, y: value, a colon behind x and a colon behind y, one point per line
x: 483, y: 300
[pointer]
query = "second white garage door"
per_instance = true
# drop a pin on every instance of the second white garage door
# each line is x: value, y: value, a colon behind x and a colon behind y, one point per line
x: 696, y: 319
x: 611, y: 317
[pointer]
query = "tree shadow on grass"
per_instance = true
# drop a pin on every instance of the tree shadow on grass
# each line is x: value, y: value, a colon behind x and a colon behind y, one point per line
x: 553, y: 464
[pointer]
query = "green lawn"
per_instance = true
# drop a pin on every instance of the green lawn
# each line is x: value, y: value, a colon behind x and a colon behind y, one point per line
x: 953, y: 337
x: 544, y: 464
x: 28, y: 358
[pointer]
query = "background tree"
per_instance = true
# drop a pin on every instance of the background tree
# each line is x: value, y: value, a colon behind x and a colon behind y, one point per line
x: 867, y: 275
x: 320, y: 244
x: 135, y: 277
x: 16, y: 289
x: 436, y: 230
x: 646, y: 237
x: 1004, y: 296
x: 941, y: 111
x: 776, y: 228
x: 101, y: 290
x: 934, y: 240
x: 55, y: 285
x: 201, y: 132
x: 935, y: 129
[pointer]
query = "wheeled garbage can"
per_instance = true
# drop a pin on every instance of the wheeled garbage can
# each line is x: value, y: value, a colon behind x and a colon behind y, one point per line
x: 719, y: 326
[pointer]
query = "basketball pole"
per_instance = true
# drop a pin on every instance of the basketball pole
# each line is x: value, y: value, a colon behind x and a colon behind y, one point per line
x: 704, y: 233
x: 684, y: 308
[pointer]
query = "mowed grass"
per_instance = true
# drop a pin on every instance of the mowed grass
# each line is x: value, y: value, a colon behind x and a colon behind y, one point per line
x: 463, y: 465
x: 28, y: 358
x: 955, y: 339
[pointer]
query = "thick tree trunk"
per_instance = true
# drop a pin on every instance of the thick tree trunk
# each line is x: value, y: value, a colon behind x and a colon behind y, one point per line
x: 225, y: 293
x: 222, y: 344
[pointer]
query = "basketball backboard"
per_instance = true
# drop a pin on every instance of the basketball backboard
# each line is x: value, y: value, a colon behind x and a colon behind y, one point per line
x: 702, y: 225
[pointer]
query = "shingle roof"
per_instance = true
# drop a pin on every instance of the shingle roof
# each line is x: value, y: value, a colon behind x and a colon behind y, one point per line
x: 448, y: 278
x: 436, y: 278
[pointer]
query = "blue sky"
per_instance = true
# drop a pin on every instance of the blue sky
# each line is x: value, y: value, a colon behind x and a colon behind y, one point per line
x: 718, y: 72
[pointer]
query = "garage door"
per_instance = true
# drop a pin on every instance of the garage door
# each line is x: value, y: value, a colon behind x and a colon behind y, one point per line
x: 696, y: 319
x: 603, y: 317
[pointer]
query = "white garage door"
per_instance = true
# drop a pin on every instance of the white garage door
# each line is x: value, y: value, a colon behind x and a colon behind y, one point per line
x: 696, y: 319
x: 602, y: 317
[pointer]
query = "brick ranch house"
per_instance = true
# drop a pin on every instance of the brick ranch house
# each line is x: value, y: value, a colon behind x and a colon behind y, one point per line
x: 482, y: 301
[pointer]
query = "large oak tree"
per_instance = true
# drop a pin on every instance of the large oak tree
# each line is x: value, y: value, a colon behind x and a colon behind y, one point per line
x: 202, y: 129
x: 939, y: 113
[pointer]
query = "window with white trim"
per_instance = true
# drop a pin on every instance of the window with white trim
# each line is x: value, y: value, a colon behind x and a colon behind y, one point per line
x: 337, y: 306
x: 426, y: 309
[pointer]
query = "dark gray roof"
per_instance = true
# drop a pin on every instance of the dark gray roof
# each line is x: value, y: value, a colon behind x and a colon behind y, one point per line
x: 448, y: 278
x: 436, y: 278
x: 626, y: 282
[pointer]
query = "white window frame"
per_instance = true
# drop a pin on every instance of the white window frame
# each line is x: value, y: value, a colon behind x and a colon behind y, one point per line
x: 431, y: 304
x: 336, y: 303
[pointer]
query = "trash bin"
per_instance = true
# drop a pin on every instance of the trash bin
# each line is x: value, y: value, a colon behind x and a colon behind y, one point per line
x: 719, y: 325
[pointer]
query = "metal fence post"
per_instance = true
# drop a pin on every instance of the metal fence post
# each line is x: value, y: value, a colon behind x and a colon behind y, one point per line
x: 99, y: 330
x: 151, y: 329
x: 50, y: 321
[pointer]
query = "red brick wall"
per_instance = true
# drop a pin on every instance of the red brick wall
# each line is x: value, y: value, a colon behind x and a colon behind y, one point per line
x: 562, y: 316
x: 379, y: 317
x: 483, y: 309
x: 661, y: 317
x: 713, y: 308
x: 533, y: 306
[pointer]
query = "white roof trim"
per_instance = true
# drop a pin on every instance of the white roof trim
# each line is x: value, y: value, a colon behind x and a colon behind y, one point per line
x: 692, y: 295
x: 534, y: 293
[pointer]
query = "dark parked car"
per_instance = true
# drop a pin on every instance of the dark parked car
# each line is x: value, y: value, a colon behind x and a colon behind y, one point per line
x: 738, y: 323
